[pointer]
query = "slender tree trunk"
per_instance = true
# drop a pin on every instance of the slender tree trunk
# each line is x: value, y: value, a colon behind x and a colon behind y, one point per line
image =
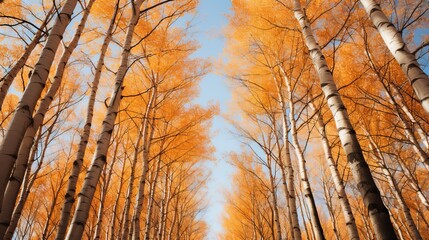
x: 273, y: 190
x: 143, y: 134
x: 289, y: 187
x: 87, y: 193
x: 113, y: 231
x: 330, y: 207
x: 338, y: 182
x: 22, y: 117
x: 394, y: 187
x: 14, y: 184
x: 69, y: 197
x: 305, y: 183
x: 424, y: 157
x: 414, y: 185
x: 164, y: 205
x: 404, y: 107
x: 282, y: 167
x: 151, y: 196
x: 25, y: 190
x: 7, y: 80
x: 105, y: 186
x: 146, y: 147
x: 378, y: 213
x: 394, y: 41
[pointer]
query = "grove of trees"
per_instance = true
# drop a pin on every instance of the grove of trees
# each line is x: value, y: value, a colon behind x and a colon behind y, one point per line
x: 102, y: 136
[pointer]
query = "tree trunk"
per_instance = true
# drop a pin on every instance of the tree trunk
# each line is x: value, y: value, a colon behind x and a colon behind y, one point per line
x: 273, y: 190
x: 151, y: 196
x: 104, y: 188
x: 378, y: 213
x: 394, y: 187
x: 87, y: 193
x: 25, y: 190
x: 143, y: 134
x: 23, y: 113
x: 113, y: 230
x: 330, y: 207
x: 69, y: 197
x: 290, y: 179
x: 338, y: 182
x: 146, y: 147
x: 10, y: 76
x: 394, y: 41
x: 404, y: 107
x: 305, y: 183
x: 14, y: 184
x: 164, y: 205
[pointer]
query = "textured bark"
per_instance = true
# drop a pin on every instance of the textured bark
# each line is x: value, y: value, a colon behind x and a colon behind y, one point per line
x: 409, y: 133
x: 273, y: 190
x: 22, y: 117
x: 423, y: 156
x: 395, y: 189
x: 305, y: 183
x: 151, y: 199
x: 147, y: 137
x: 401, y: 102
x: 289, y: 176
x: 107, y: 176
x: 10, y: 76
x: 281, y: 165
x: 164, y: 204
x: 378, y: 213
x: 394, y: 41
x: 69, y: 197
x: 330, y: 207
x: 414, y: 185
x: 28, y: 184
x: 91, y: 179
x: 14, y: 183
x: 25, y: 190
x: 113, y: 230
x: 338, y: 182
x: 143, y: 135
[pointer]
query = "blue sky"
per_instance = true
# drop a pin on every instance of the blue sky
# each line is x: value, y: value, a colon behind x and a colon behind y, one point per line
x: 208, y: 26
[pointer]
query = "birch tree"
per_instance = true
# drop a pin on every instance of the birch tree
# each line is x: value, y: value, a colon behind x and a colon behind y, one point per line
x: 397, y: 46
x: 378, y: 213
x: 23, y: 115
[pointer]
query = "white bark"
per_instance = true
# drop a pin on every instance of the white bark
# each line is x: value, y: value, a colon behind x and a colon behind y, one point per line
x: 338, y: 182
x: 288, y: 178
x: 394, y: 41
x: 305, y: 183
x: 12, y: 224
x: 273, y: 190
x: 147, y: 137
x: 151, y: 199
x: 69, y: 197
x: 395, y: 189
x: 87, y: 193
x: 143, y: 135
x: 10, y: 76
x: 23, y: 113
x: 14, y: 183
x: 378, y: 213
x: 401, y: 102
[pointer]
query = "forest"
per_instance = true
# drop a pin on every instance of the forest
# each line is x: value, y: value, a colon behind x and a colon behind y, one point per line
x: 103, y: 136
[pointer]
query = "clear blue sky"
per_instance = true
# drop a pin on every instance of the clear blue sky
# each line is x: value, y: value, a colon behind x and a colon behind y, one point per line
x: 209, y: 25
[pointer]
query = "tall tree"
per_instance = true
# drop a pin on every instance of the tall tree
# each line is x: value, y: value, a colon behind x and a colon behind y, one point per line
x: 24, y: 111
x: 378, y: 212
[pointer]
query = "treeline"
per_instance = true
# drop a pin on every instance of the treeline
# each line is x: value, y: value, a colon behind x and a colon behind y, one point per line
x: 101, y: 138
x: 330, y: 103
